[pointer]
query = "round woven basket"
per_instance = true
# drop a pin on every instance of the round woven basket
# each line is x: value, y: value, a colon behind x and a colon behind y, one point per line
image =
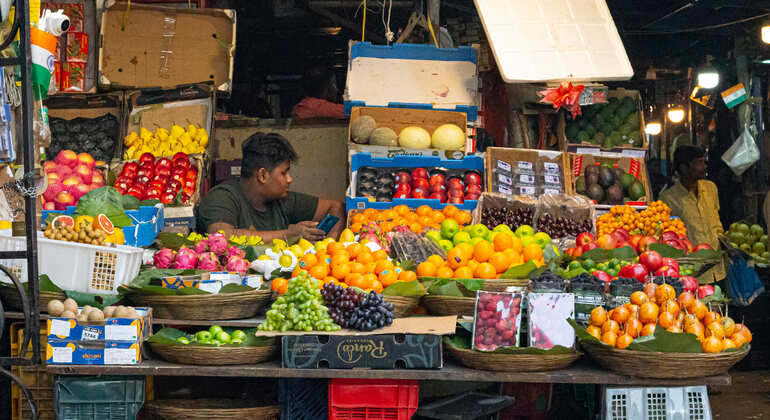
x: 209, y: 355
x: 512, y: 362
x: 12, y: 299
x: 402, y: 305
x: 499, y: 285
x: 210, y: 408
x: 648, y: 364
x: 205, y: 307
x: 449, y: 305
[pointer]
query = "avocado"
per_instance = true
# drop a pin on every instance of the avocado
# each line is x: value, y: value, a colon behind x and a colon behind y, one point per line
x: 633, y: 120
x: 615, y: 139
x: 582, y: 136
x: 616, y: 122
x: 591, y: 169
x: 636, y: 191
x: 608, y: 142
x: 625, y: 129
x: 614, y: 194
x: 592, y: 179
x: 598, y: 138
x: 571, y: 130
x: 590, y: 129
x: 598, y: 120
x: 606, y: 177
x: 627, y: 180
x: 607, y: 129
x: 628, y: 101
x: 618, y: 174
x: 580, y: 185
x: 596, y: 192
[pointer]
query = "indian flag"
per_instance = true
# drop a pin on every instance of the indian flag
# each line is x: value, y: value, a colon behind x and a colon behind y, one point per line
x: 42, y: 49
x: 734, y: 95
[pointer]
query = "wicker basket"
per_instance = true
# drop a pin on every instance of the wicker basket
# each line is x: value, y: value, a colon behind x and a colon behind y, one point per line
x: 648, y: 364
x: 402, y: 305
x: 210, y: 355
x: 449, y: 305
x: 205, y: 307
x: 499, y: 285
x: 210, y: 408
x: 512, y: 362
x: 12, y: 299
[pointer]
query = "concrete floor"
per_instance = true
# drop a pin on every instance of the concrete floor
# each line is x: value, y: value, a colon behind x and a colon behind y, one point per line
x: 747, y: 398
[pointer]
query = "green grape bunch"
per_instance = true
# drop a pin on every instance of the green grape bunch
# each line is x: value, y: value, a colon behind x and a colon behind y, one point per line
x: 301, y: 308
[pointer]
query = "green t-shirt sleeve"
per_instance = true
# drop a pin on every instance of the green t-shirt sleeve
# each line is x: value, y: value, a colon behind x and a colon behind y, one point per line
x: 300, y: 207
x: 219, y: 206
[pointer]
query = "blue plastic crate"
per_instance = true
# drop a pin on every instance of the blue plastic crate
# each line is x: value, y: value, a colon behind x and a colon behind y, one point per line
x: 148, y: 221
x: 98, y: 397
x: 303, y: 399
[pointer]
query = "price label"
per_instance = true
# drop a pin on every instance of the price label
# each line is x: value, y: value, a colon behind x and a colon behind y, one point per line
x: 504, y: 189
x: 504, y: 165
x: 551, y: 191
x: 210, y: 286
x: 504, y: 179
x: 552, y: 179
x: 524, y: 190
x: 62, y: 354
x: 90, y: 333
x: 525, y: 165
x: 60, y: 327
x: 551, y: 167
x: 120, y: 332
x: 119, y: 356
x: 526, y: 179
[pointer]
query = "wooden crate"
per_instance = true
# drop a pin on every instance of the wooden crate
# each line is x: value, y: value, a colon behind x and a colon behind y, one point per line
x: 633, y: 166
x: 537, y: 157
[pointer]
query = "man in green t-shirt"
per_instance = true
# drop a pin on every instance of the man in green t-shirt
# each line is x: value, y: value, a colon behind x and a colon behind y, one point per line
x: 260, y: 203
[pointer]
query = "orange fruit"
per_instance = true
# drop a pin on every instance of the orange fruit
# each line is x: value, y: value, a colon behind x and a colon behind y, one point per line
x: 598, y: 316
x: 415, y: 227
x: 610, y: 338
x: 308, y: 260
x: 666, y: 320
x: 456, y: 258
x: 463, y: 273
x: 386, y: 226
x: 357, y: 267
x: 389, y: 214
x: 467, y: 250
x: 499, y: 261
x: 463, y: 217
x: 333, y: 247
x: 648, y: 329
x: 407, y: 275
x: 482, y: 251
x: 620, y: 314
x: 594, y: 331
x: 450, y: 211
x: 377, y: 286
x: 354, y: 249
x: 503, y: 242
x: 436, y: 260
x: 638, y: 298
x: 369, y: 267
x: 380, y: 255
x: 472, y: 264
x: 369, y: 213
x: 401, y: 209
x: 365, y: 256
x: 485, y: 271
x: 684, y: 300
x: 710, y: 317
x: 103, y: 223
x: 339, y: 259
x: 729, y: 344
x: 532, y: 252
x: 297, y: 271
x: 438, y: 217
x: 517, y: 244
x: 513, y: 256
x: 426, y: 269
x: 697, y: 308
x: 319, y: 271
x: 424, y: 210
x: 323, y: 258
x: 712, y: 344
x: 340, y: 271
x: 277, y: 283
x: 624, y: 341
x: 634, y: 327
x: 356, y: 227
x: 388, y: 277
x: 411, y: 217
x: 648, y: 313
x: 368, y: 280
x: 355, y: 280
x: 445, y: 272
x: 665, y: 292
x: 610, y: 326
x: 383, y: 265
x: 359, y: 218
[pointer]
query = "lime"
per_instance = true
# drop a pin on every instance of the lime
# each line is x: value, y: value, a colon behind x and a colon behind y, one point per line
x: 589, y: 264
x: 214, y: 330
x: 574, y: 265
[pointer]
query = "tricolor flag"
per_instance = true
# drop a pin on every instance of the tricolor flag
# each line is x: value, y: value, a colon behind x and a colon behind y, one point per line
x: 734, y: 96
x: 42, y: 49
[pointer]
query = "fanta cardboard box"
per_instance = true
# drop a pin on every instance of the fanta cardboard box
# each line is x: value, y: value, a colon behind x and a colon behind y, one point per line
x: 79, y: 352
x: 111, y: 329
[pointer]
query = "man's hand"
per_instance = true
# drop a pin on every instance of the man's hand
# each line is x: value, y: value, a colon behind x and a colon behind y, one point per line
x: 307, y: 230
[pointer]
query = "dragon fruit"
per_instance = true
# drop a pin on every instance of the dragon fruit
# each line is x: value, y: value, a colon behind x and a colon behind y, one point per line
x: 234, y: 250
x: 237, y: 264
x: 201, y: 247
x: 209, y: 261
x: 163, y: 258
x: 217, y: 243
x: 186, y: 259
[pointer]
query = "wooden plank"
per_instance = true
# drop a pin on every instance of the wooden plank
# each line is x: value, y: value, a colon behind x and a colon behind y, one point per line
x: 582, y: 372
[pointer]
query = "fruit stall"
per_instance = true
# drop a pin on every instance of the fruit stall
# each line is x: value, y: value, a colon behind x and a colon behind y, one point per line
x: 457, y: 263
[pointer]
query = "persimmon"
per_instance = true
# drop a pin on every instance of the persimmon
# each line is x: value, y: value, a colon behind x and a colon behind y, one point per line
x: 620, y: 314
x: 594, y: 331
x: 684, y: 300
x: 697, y: 308
x: 648, y: 313
x: 639, y: 297
x: 624, y: 341
x: 666, y: 320
x: 648, y: 329
x: 610, y: 337
x: 712, y: 344
x: 710, y: 317
x: 610, y: 326
x: 598, y: 316
x: 634, y: 327
x: 671, y: 307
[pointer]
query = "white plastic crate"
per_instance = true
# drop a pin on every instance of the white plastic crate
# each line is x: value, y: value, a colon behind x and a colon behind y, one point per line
x: 75, y: 266
x: 675, y: 403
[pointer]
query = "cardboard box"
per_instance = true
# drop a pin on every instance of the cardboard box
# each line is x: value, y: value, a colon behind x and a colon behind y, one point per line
x: 83, y: 20
x: 635, y: 167
x: 409, y: 343
x: 197, y: 162
x: 495, y: 155
x: 164, y: 47
x: 112, y: 329
x: 399, y: 118
x: 76, y: 50
x: 74, y: 352
x: 73, y: 77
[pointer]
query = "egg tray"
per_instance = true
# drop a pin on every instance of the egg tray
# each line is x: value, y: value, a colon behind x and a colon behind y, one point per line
x: 380, y: 183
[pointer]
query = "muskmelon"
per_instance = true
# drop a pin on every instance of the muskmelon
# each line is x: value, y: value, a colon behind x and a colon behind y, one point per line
x: 414, y: 138
x: 361, y: 129
x: 448, y: 137
x: 384, y: 136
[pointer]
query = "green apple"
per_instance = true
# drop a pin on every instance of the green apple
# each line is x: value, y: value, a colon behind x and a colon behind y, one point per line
x: 492, y: 234
x: 461, y: 237
x: 223, y: 337
x: 215, y: 342
x: 757, y: 230
x: 236, y: 342
x: 202, y: 335
x: 763, y: 238
x: 238, y: 335
x: 758, y: 247
x: 734, y: 227
x: 449, y: 228
x: 479, y: 231
x: 214, y: 330
x: 524, y: 230
x: 476, y: 240
x: 434, y: 235
x: 183, y: 340
x: 743, y: 228
x: 528, y: 239
x: 542, y: 239
x: 765, y: 255
x: 446, y: 244
x: 745, y: 248
x: 502, y: 228
x: 737, y: 237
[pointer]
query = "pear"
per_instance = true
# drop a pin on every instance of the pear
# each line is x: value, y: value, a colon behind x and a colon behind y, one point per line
x: 176, y: 130
x: 192, y: 130
x: 185, y: 139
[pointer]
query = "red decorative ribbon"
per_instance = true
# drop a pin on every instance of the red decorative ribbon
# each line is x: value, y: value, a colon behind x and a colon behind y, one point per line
x: 566, y: 95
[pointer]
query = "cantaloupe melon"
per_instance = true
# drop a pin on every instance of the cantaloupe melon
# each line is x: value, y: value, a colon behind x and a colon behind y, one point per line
x: 361, y: 129
x: 414, y: 138
x: 384, y: 136
x: 448, y: 137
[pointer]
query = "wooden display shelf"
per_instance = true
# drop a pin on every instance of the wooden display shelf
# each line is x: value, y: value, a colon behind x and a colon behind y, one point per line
x: 239, y: 323
x: 583, y: 372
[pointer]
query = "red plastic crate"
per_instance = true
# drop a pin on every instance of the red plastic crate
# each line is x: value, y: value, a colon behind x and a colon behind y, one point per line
x: 364, y: 399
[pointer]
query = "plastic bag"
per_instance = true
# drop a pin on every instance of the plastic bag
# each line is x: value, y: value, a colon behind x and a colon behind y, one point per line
x: 743, y: 281
x: 743, y: 153
x: 574, y: 207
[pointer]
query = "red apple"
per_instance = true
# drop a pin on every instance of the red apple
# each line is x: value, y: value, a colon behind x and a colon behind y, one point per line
x: 63, y: 171
x: 64, y: 199
x: 472, y: 189
x: 589, y: 246
x: 420, y: 173
x: 136, y: 191
x: 130, y: 167
x: 97, y: 178
x: 72, y: 179
x: 147, y: 157
x: 52, y: 190
x: 437, y: 178
x: 402, y: 177
x: 606, y: 242
x: 401, y: 195
x: 634, y: 271
x: 420, y: 192
x: 84, y: 172
x: 416, y: 183
x: 49, y: 166
x: 667, y: 271
x: 624, y: 244
x: 439, y: 195
x: 601, y: 275
x: 585, y: 238
x: 403, y: 188
x: 80, y: 190
x: 455, y: 183
x: 690, y: 283
x: 701, y: 246
x: 472, y: 178
x: 438, y: 188
x: 472, y: 196
x: 634, y: 239
x: 620, y: 235
x: 669, y: 235
x: 163, y: 163
x: 67, y: 158
x: 86, y: 159
x: 453, y: 193
x: 645, y: 242
x: 671, y: 263
x: 455, y: 200
x: 651, y: 259
x: 53, y: 177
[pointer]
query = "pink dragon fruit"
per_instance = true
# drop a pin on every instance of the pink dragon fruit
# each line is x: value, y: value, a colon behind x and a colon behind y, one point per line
x: 234, y: 250
x: 186, y: 259
x: 217, y: 243
x: 201, y: 247
x: 163, y: 258
x: 208, y: 261
x: 237, y: 264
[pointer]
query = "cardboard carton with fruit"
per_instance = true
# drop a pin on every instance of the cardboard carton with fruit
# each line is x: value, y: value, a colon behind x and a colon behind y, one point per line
x: 610, y: 180
x: 169, y: 180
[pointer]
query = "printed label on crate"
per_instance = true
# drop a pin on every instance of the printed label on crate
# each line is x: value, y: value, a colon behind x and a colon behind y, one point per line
x: 211, y: 286
x: 235, y: 170
x: 119, y: 356
x: 577, y: 166
x: 504, y: 189
x: 525, y: 190
x: 551, y: 191
x: 62, y: 354
x: 120, y: 332
x: 504, y: 179
x: 525, y: 165
x: 60, y: 327
x: 588, y: 150
x: 526, y: 179
x: 551, y: 167
x: 636, y: 154
x: 504, y: 165
x: 552, y: 179
x: 90, y: 333
x: 634, y: 168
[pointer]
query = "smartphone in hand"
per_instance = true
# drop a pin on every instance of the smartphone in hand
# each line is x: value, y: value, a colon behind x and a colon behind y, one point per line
x: 327, y: 223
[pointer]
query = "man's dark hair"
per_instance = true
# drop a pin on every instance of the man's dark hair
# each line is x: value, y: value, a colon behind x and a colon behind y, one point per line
x: 316, y: 80
x: 685, y: 154
x: 265, y: 150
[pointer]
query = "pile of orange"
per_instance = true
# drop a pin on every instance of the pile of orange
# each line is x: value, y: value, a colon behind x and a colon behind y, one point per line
x: 651, y: 221
x: 422, y: 218
x: 658, y: 306
x: 485, y: 260
x: 353, y: 265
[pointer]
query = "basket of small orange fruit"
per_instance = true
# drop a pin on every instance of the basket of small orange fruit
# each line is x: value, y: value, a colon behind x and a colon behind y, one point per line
x: 658, y: 334
x: 419, y: 220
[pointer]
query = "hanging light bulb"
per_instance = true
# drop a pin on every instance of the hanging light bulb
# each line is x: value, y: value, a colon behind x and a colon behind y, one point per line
x: 766, y: 33
x: 708, y: 77
x: 676, y: 115
x: 653, y: 128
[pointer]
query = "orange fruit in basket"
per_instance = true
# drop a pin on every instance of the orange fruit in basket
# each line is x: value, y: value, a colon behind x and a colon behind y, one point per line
x: 380, y: 255
x: 648, y: 313
x: 438, y: 216
x: 407, y: 275
x: 277, y: 283
x: 648, y: 329
x: 389, y: 214
x: 388, y: 277
x: 456, y: 258
x: 517, y: 244
x: 436, y: 260
x: 387, y: 226
x: 383, y: 265
x: 486, y: 271
x: 319, y: 271
x: 697, y: 308
x: 610, y: 326
x: 502, y: 242
x: 401, y: 209
x: 634, y: 327
x: 424, y: 210
x: 354, y: 249
x: 359, y: 218
x: 415, y: 227
x: 340, y: 271
x: 369, y: 213
x: 334, y: 246
x: 666, y: 320
x: 710, y: 317
x: 450, y: 211
x: 445, y: 272
x: 297, y: 271
x: 324, y: 258
x: 308, y: 260
x: 639, y: 298
x: 368, y: 280
x: 377, y: 286
x: 533, y: 252
x: 624, y: 341
x: 594, y: 331
x: 712, y: 345
x: 357, y: 267
x: 356, y: 227
x: 411, y: 217
x: 598, y: 316
x: 482, y: 251
x: 464, y: 272
x: 365, y: 256
x: 620, y: 314
x: 472, y: 264
x: 103, y: 223
x: 665, y: 292
x: 355, y: 280
x: 466, y: 249
x: 339, y: 259
x: 499, y: 261
x: 610, y: 338
x: 463, y: 217
x: 426, y: 269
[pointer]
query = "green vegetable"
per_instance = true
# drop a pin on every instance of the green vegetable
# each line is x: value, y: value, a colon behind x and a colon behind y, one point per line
x: 104, y: 200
